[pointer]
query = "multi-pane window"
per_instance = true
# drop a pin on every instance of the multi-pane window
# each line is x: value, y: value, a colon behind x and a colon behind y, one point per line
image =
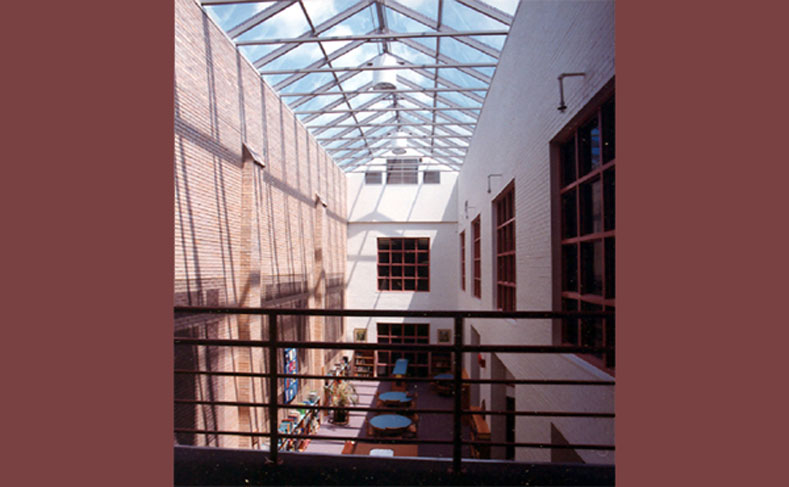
x: 588, y: 241
x: 408, y: 333
x: 372, y: 177
x: 402, y: 171
x: 476, y: 257
x: 463, y: 260
x: 404, y: 264
x: 504, y: 206
x: 431, y: 177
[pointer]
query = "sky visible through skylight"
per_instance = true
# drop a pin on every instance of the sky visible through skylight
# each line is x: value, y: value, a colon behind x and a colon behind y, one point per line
x: 401, y: 16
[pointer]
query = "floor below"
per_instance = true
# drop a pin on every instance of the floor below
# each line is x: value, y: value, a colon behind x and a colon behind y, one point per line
x: 431, y: 426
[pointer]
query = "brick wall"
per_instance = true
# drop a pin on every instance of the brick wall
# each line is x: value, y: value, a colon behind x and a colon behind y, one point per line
x: 244, y: 235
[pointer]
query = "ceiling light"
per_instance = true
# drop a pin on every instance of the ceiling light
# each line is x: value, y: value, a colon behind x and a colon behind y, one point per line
x: 385, y: 79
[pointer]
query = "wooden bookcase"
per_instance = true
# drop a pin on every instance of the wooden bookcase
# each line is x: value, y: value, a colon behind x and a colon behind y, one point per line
x: 364, y: 363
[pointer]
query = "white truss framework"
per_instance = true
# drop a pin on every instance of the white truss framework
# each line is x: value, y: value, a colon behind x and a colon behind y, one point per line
x: 320, y: 56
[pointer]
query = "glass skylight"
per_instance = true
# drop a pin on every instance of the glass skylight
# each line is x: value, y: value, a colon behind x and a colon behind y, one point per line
x: 325, y: 58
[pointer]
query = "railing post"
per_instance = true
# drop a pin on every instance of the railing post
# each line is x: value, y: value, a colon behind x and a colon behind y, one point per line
x: 458, y: 389
x: 273, y: 396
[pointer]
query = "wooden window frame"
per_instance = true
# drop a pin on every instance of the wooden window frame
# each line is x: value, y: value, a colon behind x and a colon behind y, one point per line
x: 463, y: 260
x: 476, y: 249
x: 393, y: 266
x: 586, y: 236
x: 504, y: 211
x: 386, y: 358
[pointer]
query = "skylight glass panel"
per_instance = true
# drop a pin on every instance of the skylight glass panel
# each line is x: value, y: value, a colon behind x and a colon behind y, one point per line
x: 496, y: 42
x: 287, y: 23
x: 229, y: 16
x: 398, y: 22
x: 332, y: 46
x: 460, y: 17
x: 460, y: 116
x: 359, y: 23
x: 460, y: 78
x: 463, y: 52
x: 308, y: 83
x: 360, y: 99
x: 421, y: 98
x: 257, y: 52
x: 322, y: 10
x: 507, y: 6
x: 300, y: 57
x: 416, y: 78
x: 357, y: 80
x: 319, y: 102
x: 356, y: 57
x: 428, y: 8
x: 273, y: 79
x: 411, y: 55
x: 428, y: 42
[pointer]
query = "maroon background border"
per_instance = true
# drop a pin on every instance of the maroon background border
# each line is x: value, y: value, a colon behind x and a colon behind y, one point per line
x: 88, y: 232
x: 87, y: 203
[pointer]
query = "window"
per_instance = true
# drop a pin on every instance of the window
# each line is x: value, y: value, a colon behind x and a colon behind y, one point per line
x: 402, y: 171
x: 418, y: 362
x: 587, y: 240
x: 404, y: 264
x: 372, y: 177
x: 431, y: 177
x: 463, y: 260
x: 476, y: 257
x: 504, y: 205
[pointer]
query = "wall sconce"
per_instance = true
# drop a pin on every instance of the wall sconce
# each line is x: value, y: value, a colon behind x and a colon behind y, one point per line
x: 492, y: 176
x: 562, y: 107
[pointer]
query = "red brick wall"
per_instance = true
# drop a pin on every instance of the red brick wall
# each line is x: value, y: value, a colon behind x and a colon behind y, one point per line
x: 244, y: 234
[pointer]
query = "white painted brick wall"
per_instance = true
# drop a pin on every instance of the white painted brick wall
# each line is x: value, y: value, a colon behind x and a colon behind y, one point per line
x: 517, y: 122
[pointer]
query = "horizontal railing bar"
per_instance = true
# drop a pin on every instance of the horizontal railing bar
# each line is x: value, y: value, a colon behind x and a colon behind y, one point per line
x: 415, y: 347
x: 397, y: 440
x: 409, y: 379
x: 311, y: 437
x: 394, y: 313
x: 407, y: 411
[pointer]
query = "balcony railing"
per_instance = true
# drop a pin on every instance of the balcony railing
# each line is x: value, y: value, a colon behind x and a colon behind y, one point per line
x: 602, y: 474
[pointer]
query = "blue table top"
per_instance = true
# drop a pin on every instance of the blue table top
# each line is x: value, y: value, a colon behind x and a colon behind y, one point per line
x: 390, y: 421
x: 401, y: 365
x: 444, y: 376
x: 395, y: 396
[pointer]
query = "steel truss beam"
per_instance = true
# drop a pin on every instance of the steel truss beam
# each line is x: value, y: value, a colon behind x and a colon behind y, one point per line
x: 323, y: 27
x: 319, y: 63
x: 385, y: 109
x: 383, y: 137
x: 229, y: 2
x: 442, y: 58
x: 442, y: 81
x: 259, y: 18
x: 487, y: 10
x: 435, y: 147
x: 427, y: 21
x: 359, y: 92
x: 335, y: 126
x: 384, y: 36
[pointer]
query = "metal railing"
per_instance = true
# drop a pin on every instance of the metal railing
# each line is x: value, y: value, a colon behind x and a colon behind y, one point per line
x: 458, y: 348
